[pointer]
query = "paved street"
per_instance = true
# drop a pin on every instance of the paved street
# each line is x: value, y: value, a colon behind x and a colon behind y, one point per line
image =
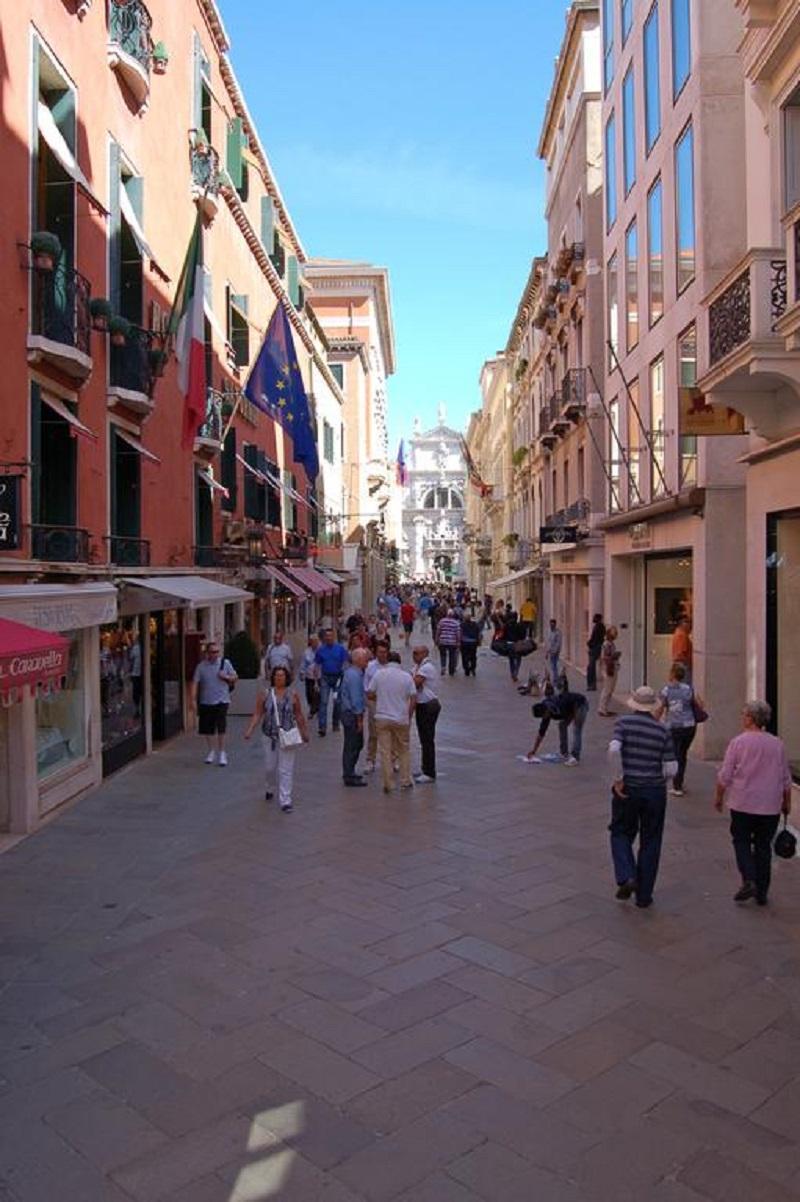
x: 432, y: 997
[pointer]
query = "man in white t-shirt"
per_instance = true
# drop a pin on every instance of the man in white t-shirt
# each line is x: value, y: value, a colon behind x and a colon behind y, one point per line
x: 380, y: 661
x: 395, y: 696
x: 427, y: 712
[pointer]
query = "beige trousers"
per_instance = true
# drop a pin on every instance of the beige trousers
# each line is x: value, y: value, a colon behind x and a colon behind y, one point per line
x: 393, y: 740
x: 372, y: 734
x: 607, y: 691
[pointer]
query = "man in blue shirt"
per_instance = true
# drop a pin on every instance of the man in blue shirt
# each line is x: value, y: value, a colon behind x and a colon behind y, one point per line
x: 331, y: 658
x: 425, y: 606
x: 352, y: 702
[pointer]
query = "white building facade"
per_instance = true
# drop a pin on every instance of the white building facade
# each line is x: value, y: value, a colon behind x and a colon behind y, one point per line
x: 433, y: 505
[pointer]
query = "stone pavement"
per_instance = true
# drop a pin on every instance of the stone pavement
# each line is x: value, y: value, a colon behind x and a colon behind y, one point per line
x: 430, y: 997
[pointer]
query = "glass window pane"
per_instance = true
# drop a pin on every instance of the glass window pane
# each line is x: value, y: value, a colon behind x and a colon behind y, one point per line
x: 652, y: 85
x: 627, y: 19
x: 655, y: 241
x: 608, y: 42
x: 611, y: 171
x: 687, y: 378
x: 614, y: 458
x: 684, y: 202
x: 628, y: 131
x: 657, y: 426
x: 681, y: 45
x: 612, y: 309
x: 632, y: 286
x: 786, y: 567
x: 61, y: 716
x: 635, y: 456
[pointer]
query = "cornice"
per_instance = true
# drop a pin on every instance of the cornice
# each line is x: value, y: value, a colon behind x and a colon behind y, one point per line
x: 358, y: 278
x: 526, y: 305
x: 765, y: 46
x: 566, y: 57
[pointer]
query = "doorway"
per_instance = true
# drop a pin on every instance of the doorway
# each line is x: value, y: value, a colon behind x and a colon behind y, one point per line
x: 166, y: 673
x: 669, y: 596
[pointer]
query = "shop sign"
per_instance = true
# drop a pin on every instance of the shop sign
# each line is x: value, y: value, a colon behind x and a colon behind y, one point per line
x: 640, y: 534
x: 700, y: 418
x: 10, y: 514
x: 558, y: 534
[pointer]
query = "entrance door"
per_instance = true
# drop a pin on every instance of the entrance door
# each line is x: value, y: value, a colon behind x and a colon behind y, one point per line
x: 668, y: 598
x: 166, y: 673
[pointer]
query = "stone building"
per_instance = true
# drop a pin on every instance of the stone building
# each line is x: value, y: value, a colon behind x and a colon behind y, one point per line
x: 433, y: 506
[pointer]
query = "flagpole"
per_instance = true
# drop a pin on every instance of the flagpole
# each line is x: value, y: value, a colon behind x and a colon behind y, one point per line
x: 234, y: 411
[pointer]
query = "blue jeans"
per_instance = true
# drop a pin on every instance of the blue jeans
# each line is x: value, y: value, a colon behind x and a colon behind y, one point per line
x: 328, y: 685
x: 581, y: 714
x: 514, y: 662
x: 552, y: 666
x: 641, y: 812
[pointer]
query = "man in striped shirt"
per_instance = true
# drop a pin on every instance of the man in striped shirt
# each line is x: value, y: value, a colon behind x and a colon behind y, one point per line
x: 448, y: 640
x: 642, y: 758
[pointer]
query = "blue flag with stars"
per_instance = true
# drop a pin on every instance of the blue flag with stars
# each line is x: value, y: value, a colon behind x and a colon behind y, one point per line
x: 275, y: 386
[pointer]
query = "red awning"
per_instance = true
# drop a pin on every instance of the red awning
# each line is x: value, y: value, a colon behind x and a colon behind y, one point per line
x: 286, y: 581
x: 29, y: 657
x: 312, y: 580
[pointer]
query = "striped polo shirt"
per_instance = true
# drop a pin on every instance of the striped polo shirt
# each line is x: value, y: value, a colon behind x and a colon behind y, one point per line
x: 448, y: 632
x: 646, y: 746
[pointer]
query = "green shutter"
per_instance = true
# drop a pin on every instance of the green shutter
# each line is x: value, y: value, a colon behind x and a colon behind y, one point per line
x: 293, y: 280
x: 114, y: 229
x: 35, y: 223
x: 267, y: 223
x: 237, y: 139
x: 36, y: 453
x: 228, y: 476
x: 112, y: 478
x: 251, y: 505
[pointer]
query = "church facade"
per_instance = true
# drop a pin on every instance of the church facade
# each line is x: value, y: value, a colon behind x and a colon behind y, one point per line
x: 433, y: 504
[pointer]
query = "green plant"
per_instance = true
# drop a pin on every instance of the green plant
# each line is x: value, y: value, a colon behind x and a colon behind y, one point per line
x: 243, y: 654
x: 100, y: 310
x: 519, y: 456
x: 510, y: 540
x: 160, y: 57
x: 46, y: 248
x: 119, y: 328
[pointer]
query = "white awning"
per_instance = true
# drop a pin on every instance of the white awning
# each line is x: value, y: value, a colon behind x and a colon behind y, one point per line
x: 63, y: 411
x: 213, y: 484
x: 59, y: 606
x: 505, y: 581
x: 57, y: 143
x: 195, y: 591
x: 134, y: 442
x: 129, y: 213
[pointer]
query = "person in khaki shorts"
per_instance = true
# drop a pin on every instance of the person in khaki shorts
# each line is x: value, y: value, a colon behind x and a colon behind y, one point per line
x: 380, y: 661
x: 395, y: 694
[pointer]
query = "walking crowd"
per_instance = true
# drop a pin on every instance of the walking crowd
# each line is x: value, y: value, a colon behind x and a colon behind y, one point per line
x: 352, y: 674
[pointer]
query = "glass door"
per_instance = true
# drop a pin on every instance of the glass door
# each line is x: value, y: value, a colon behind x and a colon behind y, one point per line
x: 166, y: 672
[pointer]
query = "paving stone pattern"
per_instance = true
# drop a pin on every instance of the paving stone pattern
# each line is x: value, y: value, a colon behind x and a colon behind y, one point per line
x: 429, y: 997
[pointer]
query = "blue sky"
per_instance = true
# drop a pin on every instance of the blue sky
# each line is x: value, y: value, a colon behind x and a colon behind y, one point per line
x: 405, y: 134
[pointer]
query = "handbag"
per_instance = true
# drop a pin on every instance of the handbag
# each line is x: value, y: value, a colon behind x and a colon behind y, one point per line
x: 524, y: 647
x: 700, y: 715
x: 500, y: 647
x: 785, y: 842
x: 286, y: 738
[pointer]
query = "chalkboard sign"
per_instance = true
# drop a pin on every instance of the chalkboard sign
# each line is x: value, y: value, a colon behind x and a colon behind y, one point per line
x: 10, y: 525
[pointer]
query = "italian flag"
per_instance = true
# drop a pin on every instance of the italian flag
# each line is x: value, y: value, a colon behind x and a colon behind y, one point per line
x: 186, y: 326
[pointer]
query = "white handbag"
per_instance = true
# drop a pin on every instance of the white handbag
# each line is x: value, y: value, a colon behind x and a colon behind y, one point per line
x: 286, y: 738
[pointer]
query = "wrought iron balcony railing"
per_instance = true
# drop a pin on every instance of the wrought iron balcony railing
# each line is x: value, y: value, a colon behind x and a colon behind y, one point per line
x: 128, y: 552
x: 60, y: 544
x: 60, y: 307
x: 205, y: 165
x: 129, y: 25
x: 573, y: 392
x: 748, y: 306
x: 220, y: 556
x: 130, y: 365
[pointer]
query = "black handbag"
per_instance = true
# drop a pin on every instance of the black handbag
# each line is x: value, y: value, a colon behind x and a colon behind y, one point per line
x: 785, y: 842
x: 500, y: 647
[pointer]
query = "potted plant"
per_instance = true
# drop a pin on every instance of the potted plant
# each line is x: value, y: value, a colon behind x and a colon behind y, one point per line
x: 157, y: 360
x: 510, y: 540
x: 201, y: 142
x: 100, y: 310
x: 160, y: 58
x: 119, y: 328
x: 46, y: 248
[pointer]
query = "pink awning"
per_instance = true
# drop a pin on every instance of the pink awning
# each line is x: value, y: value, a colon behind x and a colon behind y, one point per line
x: 312, y: 580
x: 286, y: 582
x: 29, y: 657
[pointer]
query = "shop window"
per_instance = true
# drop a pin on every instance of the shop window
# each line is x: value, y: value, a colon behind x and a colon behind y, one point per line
x: 121, y: 692
x: 687, y: 376
x: 783, y: 630
x: 652, y: 82
x: 655, y: 252
x: 657, y: 428
x: 61, y: 717
x: 631, y: 286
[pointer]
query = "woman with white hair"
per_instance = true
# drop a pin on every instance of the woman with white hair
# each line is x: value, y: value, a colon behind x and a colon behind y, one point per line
x: 756, y: 785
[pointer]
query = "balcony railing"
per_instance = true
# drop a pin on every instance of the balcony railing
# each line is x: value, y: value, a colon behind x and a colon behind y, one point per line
x: 748, y: 306
x: 129, y: 25
x: 213, y: 427
x: 220, y: 556
x: 128, y: 552
x: 60, y: 308
x: 205, y: 168
x: 573, y: 392
x: 60, y: 544
x: 130, y: 366
x: 295, y: 547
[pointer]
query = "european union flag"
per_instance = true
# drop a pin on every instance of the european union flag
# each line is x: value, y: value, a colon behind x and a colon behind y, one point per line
x: 275, y: 386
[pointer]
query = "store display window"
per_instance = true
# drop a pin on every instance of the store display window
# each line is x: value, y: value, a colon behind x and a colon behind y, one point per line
x: 783, y: 630
x: 121, y: 677
x: 61, y: 716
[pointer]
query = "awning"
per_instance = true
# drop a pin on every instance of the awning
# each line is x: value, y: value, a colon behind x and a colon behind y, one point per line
x: 336, y: 577
x: 134, y: 442
x: 312, y: 580
x: 213, y: 484
x: 58, y: 406
x: 31, y: 657
x: 57, y: 143
x: 195, y: 591
x: 129, y: 213
x: 286, y: 582
x: 505, y: 581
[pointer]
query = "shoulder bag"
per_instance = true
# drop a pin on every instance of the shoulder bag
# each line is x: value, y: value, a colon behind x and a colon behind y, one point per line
x: 700, y: 715
x: 286, y: 738
x: 785, y: 842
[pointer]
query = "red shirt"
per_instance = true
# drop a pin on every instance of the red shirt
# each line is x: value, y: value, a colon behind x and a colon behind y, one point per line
x: 407, y: 613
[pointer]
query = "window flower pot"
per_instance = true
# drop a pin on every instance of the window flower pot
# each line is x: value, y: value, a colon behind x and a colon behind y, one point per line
x: 100, y: 311
x: 45, y: 248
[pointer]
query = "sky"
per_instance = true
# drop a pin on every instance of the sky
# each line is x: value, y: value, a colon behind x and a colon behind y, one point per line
x: 405, y: 134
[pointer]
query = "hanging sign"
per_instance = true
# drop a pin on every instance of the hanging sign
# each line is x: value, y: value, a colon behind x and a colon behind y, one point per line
x: 10, y: 515
x: 700, y: 418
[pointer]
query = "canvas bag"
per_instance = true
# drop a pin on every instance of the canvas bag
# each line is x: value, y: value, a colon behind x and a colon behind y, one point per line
x: 286, y: 738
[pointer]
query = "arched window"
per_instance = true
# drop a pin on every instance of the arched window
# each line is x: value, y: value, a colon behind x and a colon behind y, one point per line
x: 455, y: 500
x: 430, y: 500
x: 442, y: 498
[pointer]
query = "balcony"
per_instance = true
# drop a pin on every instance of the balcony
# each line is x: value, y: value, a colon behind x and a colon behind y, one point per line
x: 750, y: 369
x: 220, y: 556
x: 204, y: 162
x: 295, y: 547
x: 60, y: 544
x: 210, y: 434
x: 573, y: 394
x: 60, y: 321
x: 127, y: 552
x: 547, y: 438
x: 131, y: 379
x: 130, y: 46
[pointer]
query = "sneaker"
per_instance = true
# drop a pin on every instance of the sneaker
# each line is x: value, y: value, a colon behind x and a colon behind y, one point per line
x: 268, y: 796
x: 676, y: 792
x: 410, y: 785
x: 421, y: 779
x: 223, y: 760
x: 644, y: 905
x: 370, y: 767
x: 747, y: 891
x: 211, y: 758
x: 322, y: 734
x: 287, y: 809
x: 571, y: 761
x: 625, y: 890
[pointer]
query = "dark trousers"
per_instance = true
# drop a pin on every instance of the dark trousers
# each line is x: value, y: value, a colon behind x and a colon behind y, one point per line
x: 427, y: 714
x: 328, y: 687
x: 752, y: 836
x: 312, y: 696
x: 682, y: 737
x: 514, y: 662
x: 641, y: 813
x: 591, y: 668
x: 448, y: 657
x: 577, y: 723
x: 353, y: 743
x: 469, y: 658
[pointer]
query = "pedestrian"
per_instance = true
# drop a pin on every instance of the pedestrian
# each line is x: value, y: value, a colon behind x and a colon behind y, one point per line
x: 552, y: 650
x: 471, y: 637
x: 756, y: 785
x: 609, y: 671
x: 527, y: 615
x: 355, y: 620
x: 595, y: 645
x: 426, y: 604
x: 380, y: 660
x: 209, y: 697
x: 642, y: 757
x: 309, y: 674
x: 277, y: 655
x: 393, y: 605
x: 279, y: 712
x: 352, y: 702
x: 427, y: 710
x: 408, y: 613
x: 678, y: 713
x: 513, y: 633
x: 682, y: 648
x: 331, y: 658
x: 567, y: 709
x: 394, y: 694
x: 448, y: 640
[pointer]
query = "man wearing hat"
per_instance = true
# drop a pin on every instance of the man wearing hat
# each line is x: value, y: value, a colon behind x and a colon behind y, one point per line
x: 642, y: 758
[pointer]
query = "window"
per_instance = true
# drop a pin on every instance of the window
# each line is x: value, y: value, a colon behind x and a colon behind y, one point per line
x: 608, y: 43
x: 228, y: 472
x: 652, y: 84
x: 202, y: 89
x: 783, y: 630
x: 628, y: 131
x: 612, y: 310
x: 273, y: 494
x: 631, y: 286
x: 657, y: 427
x: 442, y: 498
x: 55, y: 163
x: 634, y: 447
x: 791, y: 150
x: 203, y: 522
x: 687, y: 378
x: 681, y: 45
x: 611, y: 171
x: 581, y: 473
x: 626, y: 19
x: 565, y: 472
x: 126, y: 497
x: 54, y: 482
x: 684, y: 207
x: 337, y: 371
x: 655, y: 255
x: 327, y: 440
x: 238, y: 329
x: 254, y: 490
x: 614, y: 458
x: 61, y: 716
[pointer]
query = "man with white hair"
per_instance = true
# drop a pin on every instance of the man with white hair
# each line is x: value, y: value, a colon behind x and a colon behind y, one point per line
x: 448, y: 640
x: 352, y: 703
